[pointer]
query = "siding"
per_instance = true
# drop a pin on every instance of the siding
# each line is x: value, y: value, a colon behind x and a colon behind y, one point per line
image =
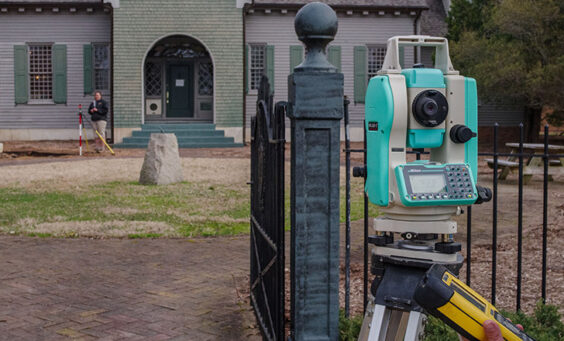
x: 218, y: 24
x: 71, y: 29
x: 354, y: 30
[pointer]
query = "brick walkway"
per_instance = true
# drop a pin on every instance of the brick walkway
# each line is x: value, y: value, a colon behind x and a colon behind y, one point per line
x: 163, y: 289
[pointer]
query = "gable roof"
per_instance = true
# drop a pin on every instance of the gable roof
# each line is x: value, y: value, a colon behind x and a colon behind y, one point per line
x: 433, y: 21
x: 420, y: 4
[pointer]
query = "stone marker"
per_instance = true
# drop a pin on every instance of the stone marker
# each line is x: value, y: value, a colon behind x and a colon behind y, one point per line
x: 1, y: 147
x: 162, y: 161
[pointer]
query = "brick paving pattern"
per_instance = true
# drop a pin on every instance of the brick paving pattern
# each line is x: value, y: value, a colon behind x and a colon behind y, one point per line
x: 161, y: 289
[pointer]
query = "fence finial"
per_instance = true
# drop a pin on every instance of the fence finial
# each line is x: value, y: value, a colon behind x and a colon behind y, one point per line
x: 316, y: 26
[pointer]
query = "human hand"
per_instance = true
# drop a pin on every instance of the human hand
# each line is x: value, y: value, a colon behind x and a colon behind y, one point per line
x: 95, y: 109
x: 492, y: 331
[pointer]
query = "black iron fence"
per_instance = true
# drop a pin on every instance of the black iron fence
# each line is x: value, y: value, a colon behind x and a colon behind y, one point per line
x: 548, y: 155
x: 526, y: 164
x: 267, y: 214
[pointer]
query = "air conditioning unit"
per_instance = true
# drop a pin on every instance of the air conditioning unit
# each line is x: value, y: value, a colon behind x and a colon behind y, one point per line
x: 154, y: 107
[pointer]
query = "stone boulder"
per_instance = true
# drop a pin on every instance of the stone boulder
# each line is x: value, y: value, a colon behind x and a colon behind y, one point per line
x: 162, y: 161
x: 1, y: 147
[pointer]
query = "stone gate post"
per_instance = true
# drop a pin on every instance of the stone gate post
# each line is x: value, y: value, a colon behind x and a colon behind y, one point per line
x: 315, y: 95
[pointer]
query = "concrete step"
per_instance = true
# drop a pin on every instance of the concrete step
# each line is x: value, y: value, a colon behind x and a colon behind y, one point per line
x: 181, y: 133
x: 186, y: 145
x: 182, y: 139
x: 176, y: 127
x: 192, y: 135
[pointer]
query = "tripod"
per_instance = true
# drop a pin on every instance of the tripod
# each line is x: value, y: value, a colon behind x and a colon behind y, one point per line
x: 392, y: 314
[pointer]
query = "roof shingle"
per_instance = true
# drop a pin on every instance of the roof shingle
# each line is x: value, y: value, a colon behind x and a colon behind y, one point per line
x: 349, y: 3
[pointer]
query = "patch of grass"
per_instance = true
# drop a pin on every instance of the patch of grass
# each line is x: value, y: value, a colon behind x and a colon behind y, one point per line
x: 188, y: 209
x: 543, y: 325
x: 214, y: 228
x: 144, y: 235
x: 185, y: 209
x: 40, y: 235
x: 437, y: 330
x: 349, y: 328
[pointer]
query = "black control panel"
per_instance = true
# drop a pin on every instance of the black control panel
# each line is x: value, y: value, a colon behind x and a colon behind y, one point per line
x: 435, y: 184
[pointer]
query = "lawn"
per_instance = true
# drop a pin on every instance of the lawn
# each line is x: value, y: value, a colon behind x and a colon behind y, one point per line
x: 210, y: 203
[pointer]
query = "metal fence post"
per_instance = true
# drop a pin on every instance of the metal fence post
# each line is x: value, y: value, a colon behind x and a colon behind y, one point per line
x: 315, y: 95
x: 544, y: 213
x: 348, y: 209
x: 494, y: 218
x: 520, y: 219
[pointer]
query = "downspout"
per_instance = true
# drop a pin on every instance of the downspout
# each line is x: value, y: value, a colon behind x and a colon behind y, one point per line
x: 112, y: 71
x: 244, y: 75
x: 417, y: 31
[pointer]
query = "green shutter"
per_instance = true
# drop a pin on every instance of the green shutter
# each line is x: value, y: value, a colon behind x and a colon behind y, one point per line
x: 360, y: 80
x: 21, y: 77
x: 88, y: 69
x: 401, y: 56
x: 59, y: 61
x: 334, y: 56
x: 270, y: 66
x: 247, y: 75
x: 296, y: 56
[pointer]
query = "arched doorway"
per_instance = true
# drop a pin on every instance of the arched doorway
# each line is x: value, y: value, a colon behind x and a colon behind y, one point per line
x: 178, y: 81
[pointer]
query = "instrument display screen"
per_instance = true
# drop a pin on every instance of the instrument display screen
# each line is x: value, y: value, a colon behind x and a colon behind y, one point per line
x: 428, y: 183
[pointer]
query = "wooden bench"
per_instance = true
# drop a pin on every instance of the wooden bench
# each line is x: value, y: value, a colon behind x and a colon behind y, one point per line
x: 508, y: 165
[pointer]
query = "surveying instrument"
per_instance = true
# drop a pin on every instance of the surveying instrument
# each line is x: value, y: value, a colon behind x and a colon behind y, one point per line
x: 436, y: 109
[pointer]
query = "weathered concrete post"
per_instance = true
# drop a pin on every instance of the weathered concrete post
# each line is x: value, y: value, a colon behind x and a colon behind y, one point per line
x: 315, y: 94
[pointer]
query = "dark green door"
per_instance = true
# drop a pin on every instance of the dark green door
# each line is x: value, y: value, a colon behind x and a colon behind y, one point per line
x: 180, y: 96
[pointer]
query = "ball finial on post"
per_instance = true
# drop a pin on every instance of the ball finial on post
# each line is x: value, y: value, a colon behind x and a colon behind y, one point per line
x: 316, y: 26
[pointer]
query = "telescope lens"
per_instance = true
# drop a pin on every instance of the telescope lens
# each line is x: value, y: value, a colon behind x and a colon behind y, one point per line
x: 430, y: 108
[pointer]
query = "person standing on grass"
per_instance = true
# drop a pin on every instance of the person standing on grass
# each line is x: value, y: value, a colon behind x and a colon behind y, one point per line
x: 99, y: 116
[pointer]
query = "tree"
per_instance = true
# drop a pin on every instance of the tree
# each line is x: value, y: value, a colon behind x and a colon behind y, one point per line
x: 467, y: 15
x: 516, y: 54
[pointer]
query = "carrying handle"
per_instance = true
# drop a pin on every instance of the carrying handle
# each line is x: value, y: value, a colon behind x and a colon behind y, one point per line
x: 442, y: 59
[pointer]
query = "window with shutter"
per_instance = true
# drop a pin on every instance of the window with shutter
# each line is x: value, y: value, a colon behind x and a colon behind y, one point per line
x: 261, y: 61
x: 40, y: 73
x: 101, y: 66
x: 21, y: 77
x: 376, y: 56
x: 247, y: 76
x: 257, y: 64
x: 87, y: 69
x: 296, y: 56
x: 270, y: 66
x: 334, y: 56
x: 359, y: 74
x: 59, y: 60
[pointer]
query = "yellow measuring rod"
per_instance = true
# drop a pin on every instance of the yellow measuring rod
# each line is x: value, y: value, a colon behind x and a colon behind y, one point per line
x: 444, y: 296
x: 103, y: 140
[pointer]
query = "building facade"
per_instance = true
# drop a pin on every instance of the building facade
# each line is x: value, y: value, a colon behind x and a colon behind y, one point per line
x: 357, y: 51
x: 42, y: 66
x: 185, y: 63
x: 184, y: 57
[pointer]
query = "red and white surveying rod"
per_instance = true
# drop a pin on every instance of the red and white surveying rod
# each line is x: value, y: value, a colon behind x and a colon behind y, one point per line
x: 80, y: 129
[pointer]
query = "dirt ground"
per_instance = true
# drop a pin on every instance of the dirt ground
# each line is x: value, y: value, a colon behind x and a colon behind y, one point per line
x: 25, y: 167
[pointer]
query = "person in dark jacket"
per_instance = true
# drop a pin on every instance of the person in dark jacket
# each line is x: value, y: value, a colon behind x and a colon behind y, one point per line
x: 99, y: 116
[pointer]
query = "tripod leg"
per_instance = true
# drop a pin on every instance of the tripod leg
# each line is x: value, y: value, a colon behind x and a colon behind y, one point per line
x: 397, y: 325
x: 414, y: 329
x: 375, y: 324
